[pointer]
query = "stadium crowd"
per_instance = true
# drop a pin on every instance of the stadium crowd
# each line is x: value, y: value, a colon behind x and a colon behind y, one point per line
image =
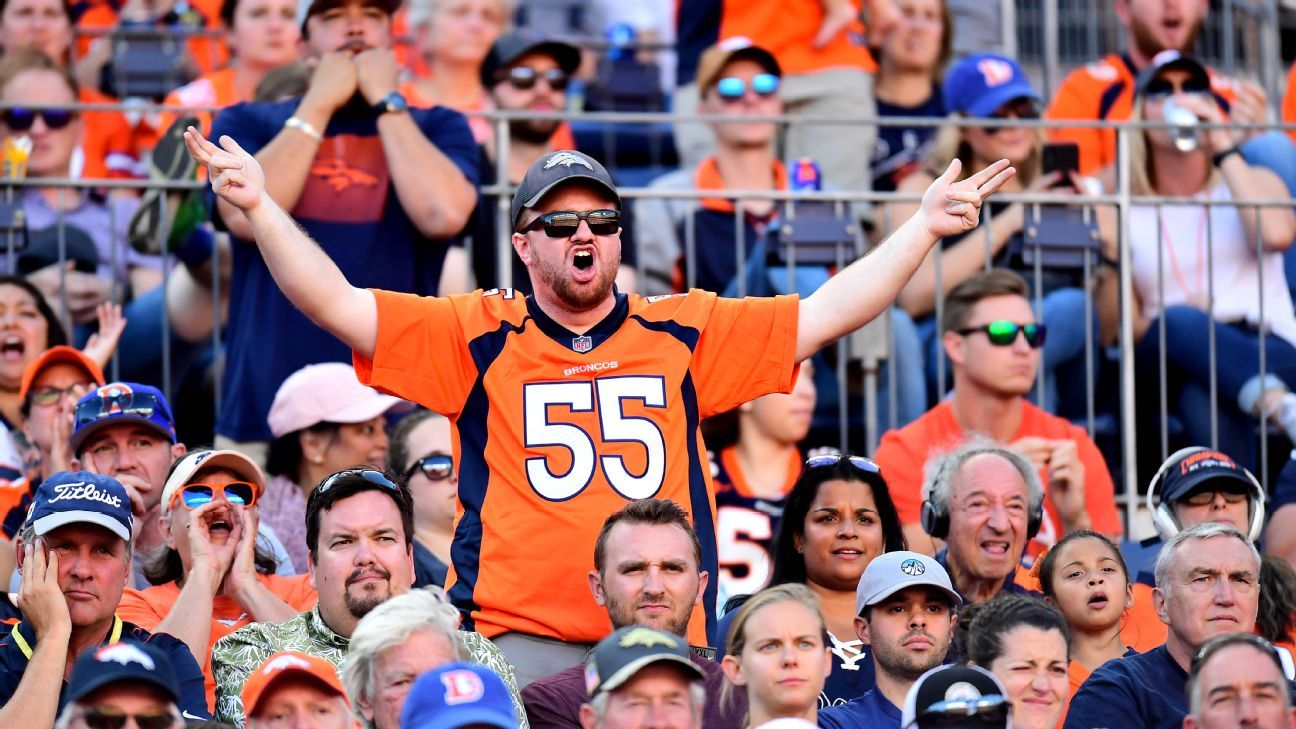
x: 286, y: 440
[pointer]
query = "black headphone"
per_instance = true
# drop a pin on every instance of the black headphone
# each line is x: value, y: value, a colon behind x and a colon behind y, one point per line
x: 936, y: 519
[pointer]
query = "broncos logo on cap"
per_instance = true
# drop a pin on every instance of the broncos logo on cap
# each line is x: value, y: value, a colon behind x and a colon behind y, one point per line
x: 124, y: 654
x: 462, y: 687
x: 647, y: 638
x: 568, y: 159
x: 962, y: 691
x: 995, y: 71
x: 112, y: 394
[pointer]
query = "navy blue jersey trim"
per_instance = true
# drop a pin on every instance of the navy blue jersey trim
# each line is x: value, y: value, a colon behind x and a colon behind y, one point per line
x: 598, y: 334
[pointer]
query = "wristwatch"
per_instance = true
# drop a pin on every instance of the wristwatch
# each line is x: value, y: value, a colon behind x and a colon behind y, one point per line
x: 390, y: 103
x: 1218, y: 158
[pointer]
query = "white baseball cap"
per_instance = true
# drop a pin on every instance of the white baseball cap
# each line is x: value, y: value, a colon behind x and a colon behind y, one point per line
x: 891, y: 572
x: 195, y: 461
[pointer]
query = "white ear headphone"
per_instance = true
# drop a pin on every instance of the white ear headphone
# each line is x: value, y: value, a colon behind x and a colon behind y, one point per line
x: 1163, y: 512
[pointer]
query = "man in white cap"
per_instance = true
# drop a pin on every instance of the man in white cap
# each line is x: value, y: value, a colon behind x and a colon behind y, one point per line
x: 906, y: 607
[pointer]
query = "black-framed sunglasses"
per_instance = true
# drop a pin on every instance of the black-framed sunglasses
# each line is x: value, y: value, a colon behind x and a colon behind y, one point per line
x: 1233, y: 494
x: 372, y: 475
x: 20, y: 119
x: 1002, y: 333
x: 119, y: 402
x: 563, y: 223
x: 524, y: 78
x: 100, y: 718
x: 867, y: 465
x: 435, y: 467
x: 1161, y: 89
x: 989, y: 710
x: 1016, y: 109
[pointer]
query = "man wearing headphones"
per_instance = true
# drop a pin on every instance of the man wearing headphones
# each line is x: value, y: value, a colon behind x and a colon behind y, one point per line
x: 1197, y: 485
x: 986, y: 502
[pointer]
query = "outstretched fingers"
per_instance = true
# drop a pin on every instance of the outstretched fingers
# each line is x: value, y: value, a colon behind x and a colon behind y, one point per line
x: 996, y: 182
x: 989, y: 172
x: 200, y: 148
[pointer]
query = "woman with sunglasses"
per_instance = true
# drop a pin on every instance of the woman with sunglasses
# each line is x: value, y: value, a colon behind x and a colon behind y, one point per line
x: 839, y: 516
x: 212, y: 576
x: 1024, y: 643
x: 420, y: 450
x: 776, y: 653
x: 989, y: 86
x: 1192, y: 262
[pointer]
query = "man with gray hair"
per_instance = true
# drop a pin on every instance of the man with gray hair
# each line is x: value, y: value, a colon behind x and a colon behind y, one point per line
x: 986, y: 502
x: 637, y: 671
x: 1238, y: 679
x: 397, y: 641
x: 1207, y: 584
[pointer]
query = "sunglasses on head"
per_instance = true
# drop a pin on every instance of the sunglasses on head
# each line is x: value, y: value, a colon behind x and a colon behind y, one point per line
x: 194, y: 495
x: 120, y: 403
x: 732, y: 88
x: 1162, y: 88
x: 1016, y: 109
x: 523, y: 78
x: 563, y: 223
x: 867, y: 465
x: 1003, y: 333
x: 109, y: 719
x: 435, y: 466
x: 20, y: 120
x: 373, y: 476
x: 988, y: 710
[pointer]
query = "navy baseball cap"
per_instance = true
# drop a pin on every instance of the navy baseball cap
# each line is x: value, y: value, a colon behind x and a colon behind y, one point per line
x: 557, y: 168
x: 957, y: 697
x: 508, y: 48
x: 81, y: 497
x: 121, y: 662
x: 981, y: 83
x: 618, y: 657
x: 1196, y: 468
x: 1169, y: 59
x: 121, y: 402
x: 458, y: 694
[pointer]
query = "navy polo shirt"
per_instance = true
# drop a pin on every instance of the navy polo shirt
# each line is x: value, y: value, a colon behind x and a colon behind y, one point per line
x: 16, y: 649
x: 870, y: 710
x: 1145, y: 691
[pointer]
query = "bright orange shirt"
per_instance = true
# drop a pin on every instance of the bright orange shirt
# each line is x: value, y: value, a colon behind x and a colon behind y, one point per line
x: 148, y: 608
x: 554, y: 431
x: 787, y: 29
x: 211, y: 90
x: 108, y: 144
x: 1104, y: 91
x: 1289, y: 101
x: 208, y: 52
x: 903, y: 453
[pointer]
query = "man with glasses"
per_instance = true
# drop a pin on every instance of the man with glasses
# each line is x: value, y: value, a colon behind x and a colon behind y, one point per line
x: 1236, y: 680
x: 421, y: 447
x: 992, y: 342
x: 122, y: 682
x: 74, y: 553
x: 570, y: 402
x: 1207, y: 584
x: 359, y: 530
x: 525, y: 73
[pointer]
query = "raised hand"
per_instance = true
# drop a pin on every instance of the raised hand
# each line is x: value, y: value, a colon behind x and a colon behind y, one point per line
x: 949, y: 208
x: 39, y: 597
x: 215, y: 559
x: 103, y: 343
x: 235, y: 175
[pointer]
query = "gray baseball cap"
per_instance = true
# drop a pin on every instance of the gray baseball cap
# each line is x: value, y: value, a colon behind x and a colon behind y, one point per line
x: 618, y: 657
x: 557, y: 168
x: 892, y: 572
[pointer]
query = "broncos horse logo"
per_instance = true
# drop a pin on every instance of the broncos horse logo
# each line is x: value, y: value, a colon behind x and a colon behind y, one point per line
x: 341, y: 176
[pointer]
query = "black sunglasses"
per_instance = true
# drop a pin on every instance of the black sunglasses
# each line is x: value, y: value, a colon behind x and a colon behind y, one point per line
x: 1018, y: 109
x: 20, y: 120
x: 435, y: 466
x: 109, y: 719
x: 119, y: 402
x: 1162, y: 88
x: 563, y: 223
x: 989, y: 710
x: 867, y: 465
x: 1003, y: 333
x: 525, y: 77
x: 373, y: 476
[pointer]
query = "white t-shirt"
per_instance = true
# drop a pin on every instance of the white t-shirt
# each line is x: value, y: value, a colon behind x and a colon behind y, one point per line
x: 1237, y: 272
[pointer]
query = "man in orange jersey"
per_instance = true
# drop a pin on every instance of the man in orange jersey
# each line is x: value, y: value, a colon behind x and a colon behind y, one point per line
x: 568, y: 403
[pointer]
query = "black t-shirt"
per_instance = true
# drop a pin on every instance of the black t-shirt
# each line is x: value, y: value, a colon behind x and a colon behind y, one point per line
x: 901, y: 150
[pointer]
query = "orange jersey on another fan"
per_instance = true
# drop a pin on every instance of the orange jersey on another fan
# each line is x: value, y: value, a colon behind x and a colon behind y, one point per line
x: 556, y: 431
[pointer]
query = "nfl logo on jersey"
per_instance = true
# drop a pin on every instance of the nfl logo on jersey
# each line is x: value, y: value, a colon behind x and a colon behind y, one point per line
x: 582, y: 344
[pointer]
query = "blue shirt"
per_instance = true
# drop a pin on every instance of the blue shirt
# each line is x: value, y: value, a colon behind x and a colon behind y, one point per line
x: 349, y: 207
x: 1145, y: 691
x: 16, y: 648
x: 871, y: 710
x: 1284, y: 490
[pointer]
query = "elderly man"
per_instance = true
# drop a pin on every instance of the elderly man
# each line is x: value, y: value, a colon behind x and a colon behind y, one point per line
x: 296, y: 690
x: 125, y: 679
x: 75, y: 556
x: 645, y: 573
x: 638, y: 672
x: 359, y: 531
x: 395, y: 643
x: 1207, y: 579
x: 986, y: 502
x: 459, y: 695
x: 906, y: 608
x: 1236, y: 680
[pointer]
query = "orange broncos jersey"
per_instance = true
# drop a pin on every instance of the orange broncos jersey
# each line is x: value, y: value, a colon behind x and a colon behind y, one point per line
x: 555, y: 431
x: 1104, y: 91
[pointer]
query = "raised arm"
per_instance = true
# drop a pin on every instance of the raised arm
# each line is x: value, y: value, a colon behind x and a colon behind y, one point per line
x: 304, y: 272
x: 864, y: 289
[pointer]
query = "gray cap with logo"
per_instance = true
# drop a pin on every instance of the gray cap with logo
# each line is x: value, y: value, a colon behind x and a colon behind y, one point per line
x: 892, y: 572
x: 556, y: 168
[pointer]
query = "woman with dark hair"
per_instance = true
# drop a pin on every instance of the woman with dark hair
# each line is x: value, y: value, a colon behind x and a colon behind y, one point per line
x: 1276, y: 613
x: 839, y: 516
x: 421, y: 451
x: 28, y: 326
x: 1024, y: 642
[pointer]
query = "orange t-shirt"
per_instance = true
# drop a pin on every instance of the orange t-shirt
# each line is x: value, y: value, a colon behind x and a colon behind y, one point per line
x: 1289, y: 101
x: 1104, y: 91
x: 787, y: 29
x: 211, y: 90
x: 208, y: 52
x: 108, y: 143
x: 554, y: 431
x: 903, y: 453
x: 148, y: 608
